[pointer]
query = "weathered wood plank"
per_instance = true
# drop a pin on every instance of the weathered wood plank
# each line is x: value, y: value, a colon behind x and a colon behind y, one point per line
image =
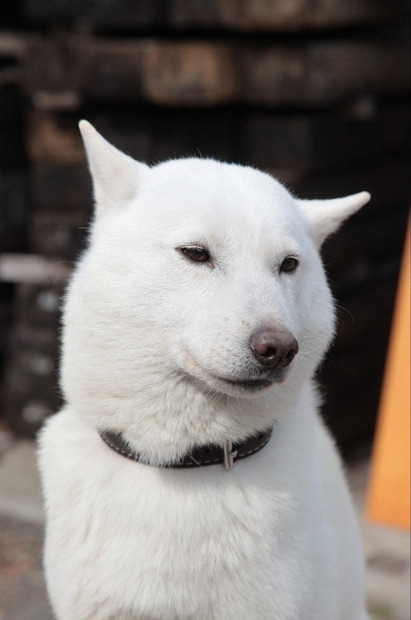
x: 31, y: 393
x: 61, y: 187
x: 54, y: 138
x: 240, y: 15
x: 58, y: 233
x: 62, y: 72
x: 189, y: 73
x: 321, y: 74
x: 33, y: 268
x: 38, y: 305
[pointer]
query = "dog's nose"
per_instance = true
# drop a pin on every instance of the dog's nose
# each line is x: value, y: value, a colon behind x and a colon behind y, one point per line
x: 274, y: 349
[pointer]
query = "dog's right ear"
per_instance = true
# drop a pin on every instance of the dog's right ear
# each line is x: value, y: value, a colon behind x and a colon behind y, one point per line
x: 116, y: 176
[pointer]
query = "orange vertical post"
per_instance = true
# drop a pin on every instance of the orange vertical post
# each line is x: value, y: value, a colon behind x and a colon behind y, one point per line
x: 388, y: 500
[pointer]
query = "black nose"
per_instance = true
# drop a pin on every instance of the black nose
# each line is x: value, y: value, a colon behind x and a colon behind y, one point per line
x: 274, y: 349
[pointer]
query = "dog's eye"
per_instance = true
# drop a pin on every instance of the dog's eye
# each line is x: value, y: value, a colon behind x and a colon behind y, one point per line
x: 289, y: 264
x: 196, y: 254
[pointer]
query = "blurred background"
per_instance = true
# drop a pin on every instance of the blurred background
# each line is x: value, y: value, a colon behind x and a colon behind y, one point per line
x: 315, y: 92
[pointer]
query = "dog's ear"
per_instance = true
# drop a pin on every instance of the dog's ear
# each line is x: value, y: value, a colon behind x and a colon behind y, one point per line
x: 323, y: 217
x: 116, y: 176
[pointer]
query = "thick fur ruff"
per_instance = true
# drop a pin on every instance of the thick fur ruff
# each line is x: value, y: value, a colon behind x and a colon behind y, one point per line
x: 187, y: 261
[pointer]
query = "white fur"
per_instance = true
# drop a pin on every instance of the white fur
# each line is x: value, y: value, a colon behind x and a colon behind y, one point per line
x: 148, y: 336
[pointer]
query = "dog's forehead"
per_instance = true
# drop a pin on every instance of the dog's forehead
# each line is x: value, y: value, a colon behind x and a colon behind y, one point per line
x: 206, y: 190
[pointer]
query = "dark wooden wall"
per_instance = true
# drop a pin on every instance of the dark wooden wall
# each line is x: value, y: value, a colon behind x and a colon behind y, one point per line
x: 314, y: 91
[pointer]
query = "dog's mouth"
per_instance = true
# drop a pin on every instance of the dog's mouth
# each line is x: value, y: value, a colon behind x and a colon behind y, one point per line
x: 236, y: 384
x: 254, y: 384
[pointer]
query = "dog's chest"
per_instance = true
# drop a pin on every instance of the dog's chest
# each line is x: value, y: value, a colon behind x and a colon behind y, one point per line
x: 187, y: 544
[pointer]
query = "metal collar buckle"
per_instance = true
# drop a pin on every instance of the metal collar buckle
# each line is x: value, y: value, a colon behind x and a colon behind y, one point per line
x: 229, y: 455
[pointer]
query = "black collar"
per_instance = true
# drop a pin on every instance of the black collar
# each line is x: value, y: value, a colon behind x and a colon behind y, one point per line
x: 199, y: 456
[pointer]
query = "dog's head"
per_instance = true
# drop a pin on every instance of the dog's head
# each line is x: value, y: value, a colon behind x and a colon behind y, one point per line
x: 198, y: 272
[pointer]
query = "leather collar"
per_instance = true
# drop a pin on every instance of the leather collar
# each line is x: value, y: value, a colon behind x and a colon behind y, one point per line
x: 199, y: 456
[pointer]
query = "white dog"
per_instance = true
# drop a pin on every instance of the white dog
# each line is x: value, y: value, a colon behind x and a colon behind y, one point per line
x: 189, y: 476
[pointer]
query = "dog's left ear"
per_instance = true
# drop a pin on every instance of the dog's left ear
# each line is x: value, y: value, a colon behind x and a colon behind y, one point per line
x: 116, y: 176
x: 323, y: 217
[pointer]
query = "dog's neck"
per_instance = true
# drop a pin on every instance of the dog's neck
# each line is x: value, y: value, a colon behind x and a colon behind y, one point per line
x: 162, y: 433
x: 198, y: 456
